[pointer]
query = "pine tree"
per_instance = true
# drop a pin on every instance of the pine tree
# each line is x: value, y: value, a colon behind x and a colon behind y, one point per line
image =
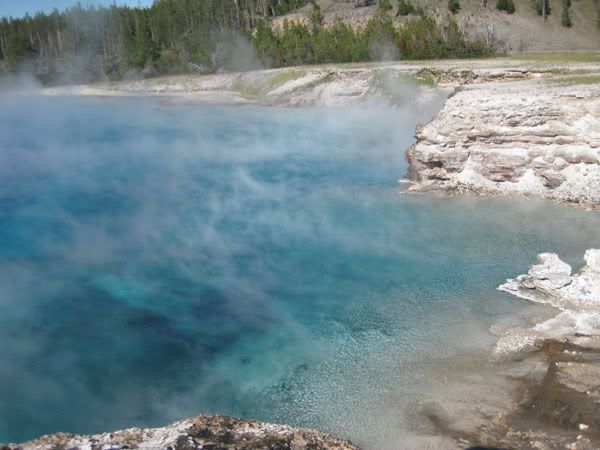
x: 17, y: 48
x: 506, y: 5
x: 453, y: 6
x: 565, y: 18
x: 542, y: 7
x: 174, y: 36
x: 316, y: 17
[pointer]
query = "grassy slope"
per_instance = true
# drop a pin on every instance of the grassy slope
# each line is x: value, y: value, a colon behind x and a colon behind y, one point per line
x: 591, y: 57
x: 520, y: 32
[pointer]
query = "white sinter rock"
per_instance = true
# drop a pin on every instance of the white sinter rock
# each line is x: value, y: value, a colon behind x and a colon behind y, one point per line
x: 196, y: 433
x: 517, y: 138
x: 550, y: 281
x: 576, y: 296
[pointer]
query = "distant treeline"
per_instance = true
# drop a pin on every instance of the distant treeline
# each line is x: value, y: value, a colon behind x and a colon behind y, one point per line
x: 420, y: 37
x: 178, y: 36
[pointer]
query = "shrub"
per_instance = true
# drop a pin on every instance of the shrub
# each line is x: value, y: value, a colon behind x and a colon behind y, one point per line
x: 506, y: 5
x: 538, y: 5
x: 405, y: 8
x: 384, y: 5
x: 453, y: 6
x: 316, y: 17
x: 565, y: 18
x: 379, y: 39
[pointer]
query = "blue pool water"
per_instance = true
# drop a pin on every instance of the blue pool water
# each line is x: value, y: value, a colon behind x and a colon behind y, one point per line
x: 159, y: 261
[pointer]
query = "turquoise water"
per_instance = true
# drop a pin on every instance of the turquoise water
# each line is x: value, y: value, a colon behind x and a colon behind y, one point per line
x: 159, y: 261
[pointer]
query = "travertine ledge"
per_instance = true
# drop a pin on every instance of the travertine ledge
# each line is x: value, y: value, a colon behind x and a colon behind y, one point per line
x: 533, y: 137
x: 334, y: 85
x: 202, y: 432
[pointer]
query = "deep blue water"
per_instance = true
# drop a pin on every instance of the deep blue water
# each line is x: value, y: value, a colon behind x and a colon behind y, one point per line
x: 159, y: 261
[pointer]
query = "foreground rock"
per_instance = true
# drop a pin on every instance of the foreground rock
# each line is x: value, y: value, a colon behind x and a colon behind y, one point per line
x: 523, y: 138
x: 576, y: 296
x: 202, y: 432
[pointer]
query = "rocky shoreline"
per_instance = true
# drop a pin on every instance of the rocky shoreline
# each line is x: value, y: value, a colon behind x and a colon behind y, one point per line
x: 509, y: 126
x: 538, y: 137
x: 560, y: 407
x: 334, y: 85
x: 207, y: 432
x: 532, y: 138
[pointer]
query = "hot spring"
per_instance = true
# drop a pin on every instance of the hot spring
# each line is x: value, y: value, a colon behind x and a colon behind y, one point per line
x: 160, y: 261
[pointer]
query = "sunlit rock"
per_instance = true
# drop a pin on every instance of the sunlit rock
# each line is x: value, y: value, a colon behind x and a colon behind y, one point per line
x: 577, y: 296
x: 551, y: 282
x: 520, y: 139
x: 197, y: 433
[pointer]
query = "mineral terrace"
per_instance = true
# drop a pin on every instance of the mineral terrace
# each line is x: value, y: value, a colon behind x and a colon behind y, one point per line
x: 539, y: 138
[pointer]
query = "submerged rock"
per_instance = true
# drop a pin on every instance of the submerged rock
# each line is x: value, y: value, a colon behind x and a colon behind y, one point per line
x: 560, y: 409
x: 569, y: 395
x: 202, y: 432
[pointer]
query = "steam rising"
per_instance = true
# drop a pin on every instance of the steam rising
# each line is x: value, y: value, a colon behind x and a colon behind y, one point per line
x: 158, y: 262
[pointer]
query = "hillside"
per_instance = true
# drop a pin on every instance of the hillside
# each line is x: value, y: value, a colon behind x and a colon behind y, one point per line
x: 85, y: 44
x: 523, y: 31
x: 200, y: 36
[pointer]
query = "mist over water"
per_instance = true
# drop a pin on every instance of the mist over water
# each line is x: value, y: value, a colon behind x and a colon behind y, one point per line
x: 157, y: 262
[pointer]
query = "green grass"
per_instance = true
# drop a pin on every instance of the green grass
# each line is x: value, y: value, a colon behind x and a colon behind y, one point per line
x: 557, y: 57
x: 283, y: 77
x: 250, y: 92
x: 324, y: 79
x: 426, y: 80
x: 582, y: 79
x: 258, y: 90
x: 385, y: 80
